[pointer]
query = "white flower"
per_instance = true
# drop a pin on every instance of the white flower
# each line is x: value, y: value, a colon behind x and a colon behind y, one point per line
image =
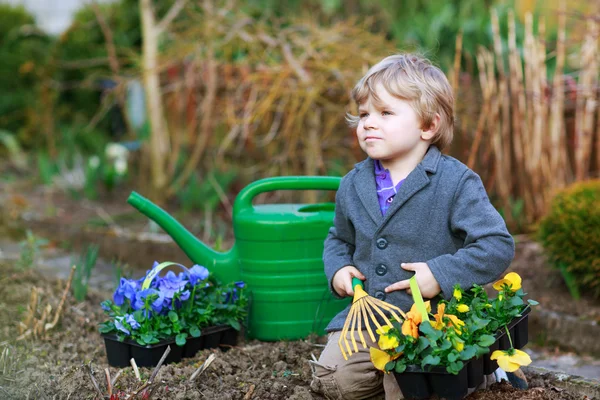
x: 94, y: 162
x: 116, y: 150
x: 121, y: 166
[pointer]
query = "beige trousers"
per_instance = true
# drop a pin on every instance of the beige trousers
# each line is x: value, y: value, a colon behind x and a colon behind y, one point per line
x: 357, y: 378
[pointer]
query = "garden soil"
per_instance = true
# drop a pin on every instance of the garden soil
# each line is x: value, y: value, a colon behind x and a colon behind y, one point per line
x: 61, y: 364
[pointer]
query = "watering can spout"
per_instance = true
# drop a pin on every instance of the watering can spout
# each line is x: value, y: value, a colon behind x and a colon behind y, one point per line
x: 224, y: 266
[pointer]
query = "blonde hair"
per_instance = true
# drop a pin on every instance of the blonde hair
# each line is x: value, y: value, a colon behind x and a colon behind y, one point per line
x: 412, y: 78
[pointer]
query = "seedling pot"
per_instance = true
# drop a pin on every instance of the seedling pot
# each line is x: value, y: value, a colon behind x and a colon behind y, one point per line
x: 222, y: 336
x: 475, y: 372
x: 119, y: 353
x: 416, y: 383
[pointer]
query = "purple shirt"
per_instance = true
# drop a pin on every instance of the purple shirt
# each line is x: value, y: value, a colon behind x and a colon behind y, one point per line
x: 386, y: 191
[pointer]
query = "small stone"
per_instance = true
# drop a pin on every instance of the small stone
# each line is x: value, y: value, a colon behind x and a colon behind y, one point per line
x: 280, y: 366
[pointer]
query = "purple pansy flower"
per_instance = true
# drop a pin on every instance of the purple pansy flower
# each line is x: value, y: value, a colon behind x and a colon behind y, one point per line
x: 126, y: 290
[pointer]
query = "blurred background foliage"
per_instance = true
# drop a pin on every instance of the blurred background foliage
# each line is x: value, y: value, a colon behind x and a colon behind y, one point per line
x: 260, y: 88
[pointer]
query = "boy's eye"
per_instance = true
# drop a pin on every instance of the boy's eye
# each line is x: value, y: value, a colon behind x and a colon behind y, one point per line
x: 363, y: 115
x: 386, y: 113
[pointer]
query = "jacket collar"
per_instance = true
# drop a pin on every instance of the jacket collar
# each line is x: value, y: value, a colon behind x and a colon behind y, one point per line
x: 366, y: 188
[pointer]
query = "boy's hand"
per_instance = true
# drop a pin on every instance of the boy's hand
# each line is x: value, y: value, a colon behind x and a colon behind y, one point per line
x: 342, y: 280
x: 428, y: 285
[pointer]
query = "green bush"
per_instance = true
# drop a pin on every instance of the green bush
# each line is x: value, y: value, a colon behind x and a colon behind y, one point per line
x: 570, y: 234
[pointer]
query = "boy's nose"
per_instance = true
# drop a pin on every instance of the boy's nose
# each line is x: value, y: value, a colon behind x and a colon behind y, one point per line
x: 370, y: 122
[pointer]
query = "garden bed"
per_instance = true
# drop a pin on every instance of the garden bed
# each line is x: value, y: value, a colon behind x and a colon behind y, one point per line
x: 57, y: 366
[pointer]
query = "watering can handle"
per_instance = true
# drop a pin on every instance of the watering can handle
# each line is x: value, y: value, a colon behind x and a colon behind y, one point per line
x: 245, y: 197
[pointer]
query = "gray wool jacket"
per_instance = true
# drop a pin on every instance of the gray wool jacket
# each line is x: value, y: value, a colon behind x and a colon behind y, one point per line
x: 441, y: 215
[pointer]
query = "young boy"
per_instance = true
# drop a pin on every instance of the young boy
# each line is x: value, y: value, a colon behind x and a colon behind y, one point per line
x: 406, y: 210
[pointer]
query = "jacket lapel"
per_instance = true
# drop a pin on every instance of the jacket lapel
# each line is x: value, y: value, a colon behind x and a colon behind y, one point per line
x: 364, y: 183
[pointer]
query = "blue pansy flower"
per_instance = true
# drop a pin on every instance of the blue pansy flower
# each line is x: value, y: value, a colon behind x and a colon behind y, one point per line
x: 232, y: 295
x: 141, y: 296
x: 198, y: 273
x: 119, y: 325
x: 171, y: 284
x: 126, y: 290
x: 184, y: 295
x: 131, y: 321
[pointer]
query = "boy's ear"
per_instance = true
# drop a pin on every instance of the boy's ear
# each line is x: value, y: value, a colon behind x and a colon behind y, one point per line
x: 429, y: 132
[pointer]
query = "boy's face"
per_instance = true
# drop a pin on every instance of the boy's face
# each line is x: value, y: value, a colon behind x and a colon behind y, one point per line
x: 390, y: 130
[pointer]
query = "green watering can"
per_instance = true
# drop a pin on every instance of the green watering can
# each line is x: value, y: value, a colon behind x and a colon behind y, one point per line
x: 278, y: 252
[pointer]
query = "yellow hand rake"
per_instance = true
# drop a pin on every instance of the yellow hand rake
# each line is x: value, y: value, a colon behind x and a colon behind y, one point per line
x: 362, y: 308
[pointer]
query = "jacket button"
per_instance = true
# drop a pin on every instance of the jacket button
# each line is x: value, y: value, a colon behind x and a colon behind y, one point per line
x: 381, y: 243
x: 381, y: 270
x: 380, y: 295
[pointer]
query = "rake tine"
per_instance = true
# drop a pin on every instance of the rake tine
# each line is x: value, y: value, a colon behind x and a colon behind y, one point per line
x: 373, y: 318
x: 352, y: 333
x: 366, y: 318
x: 360, y: 334
x: 376, y: 308
x: 390, y: 307
x: 345, y: 336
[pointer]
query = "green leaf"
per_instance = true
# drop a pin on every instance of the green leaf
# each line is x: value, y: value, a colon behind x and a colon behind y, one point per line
x: 478, y: 323
x: 389, y: 366
x: 180, y: 339
x: 446, y: 345
x: 468, y: 353
x: 453, y: 356
x: 430, y: 360
x: 570, y: 280
x: 106, y: 327
x: 486, y: 340
x: 173, y: 316
x: 429, y: 331
x: 457, y: 366
x: 532, y: 302
x: 235, y: 324
x: 400, y: 368
x: 147, y: 338
x: 422, y: 344
x: 195, y: 331
x: 480, y: 350
x: 516, y: 301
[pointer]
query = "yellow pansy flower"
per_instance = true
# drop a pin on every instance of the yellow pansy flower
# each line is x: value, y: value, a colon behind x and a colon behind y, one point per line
x: 439, y: 319
x: 386, y: 342
x: 380, y: 358
x: 457, y: 294
x: 458, y: 344
x: 512, y: 279
x: 511, y: 362
x: 463, y: 308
